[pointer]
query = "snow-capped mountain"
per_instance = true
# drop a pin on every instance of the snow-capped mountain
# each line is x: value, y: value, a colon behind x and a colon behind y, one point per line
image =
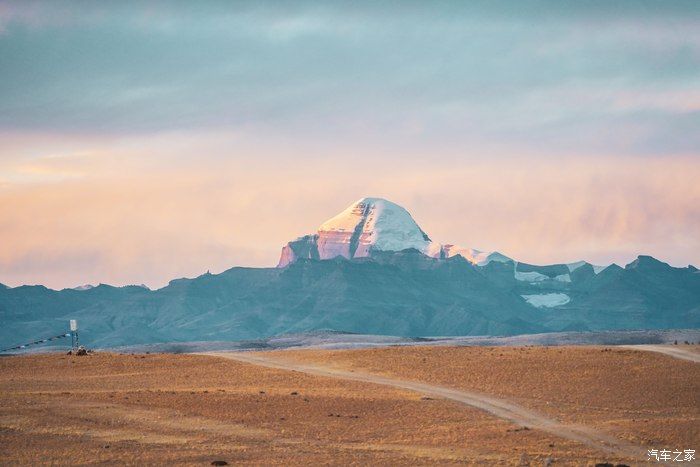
x: 374, y: 224
x: 369, y: 224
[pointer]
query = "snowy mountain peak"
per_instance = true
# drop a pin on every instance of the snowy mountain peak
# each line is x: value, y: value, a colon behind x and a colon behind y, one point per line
x: 375, y: 224
x: 369, y: 212
x: 370, y: 223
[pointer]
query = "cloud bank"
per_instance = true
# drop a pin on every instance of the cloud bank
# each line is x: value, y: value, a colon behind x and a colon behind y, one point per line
x: 144, y: 142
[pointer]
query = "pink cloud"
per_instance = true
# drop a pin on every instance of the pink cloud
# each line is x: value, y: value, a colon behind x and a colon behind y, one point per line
x: 150, y: 211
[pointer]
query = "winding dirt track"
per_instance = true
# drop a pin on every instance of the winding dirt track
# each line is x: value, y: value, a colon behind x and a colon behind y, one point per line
x: 501, y: 408
x: 674, y: 352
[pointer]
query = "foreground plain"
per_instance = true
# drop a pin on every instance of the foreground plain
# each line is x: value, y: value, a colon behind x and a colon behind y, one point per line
x: 194, y: 409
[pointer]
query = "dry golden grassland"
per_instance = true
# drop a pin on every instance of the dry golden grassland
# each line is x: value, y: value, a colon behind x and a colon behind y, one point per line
x: 193, y: 409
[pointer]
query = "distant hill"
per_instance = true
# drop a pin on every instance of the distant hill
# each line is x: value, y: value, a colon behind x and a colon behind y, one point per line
x: 392, y: 293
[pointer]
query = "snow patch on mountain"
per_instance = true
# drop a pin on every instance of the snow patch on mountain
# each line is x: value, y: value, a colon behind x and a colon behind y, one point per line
x: 574, y: 266
x: 563, y: 278
x: 84, y: 287
x: 547, y: 300
x: 477, y: 257
x: 531, y: 276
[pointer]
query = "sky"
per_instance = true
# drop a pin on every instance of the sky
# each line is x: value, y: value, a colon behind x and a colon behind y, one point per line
x: 146, y: 141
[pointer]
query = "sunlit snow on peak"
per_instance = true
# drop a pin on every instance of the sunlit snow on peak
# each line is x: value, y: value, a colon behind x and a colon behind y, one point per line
x: 376, y: 223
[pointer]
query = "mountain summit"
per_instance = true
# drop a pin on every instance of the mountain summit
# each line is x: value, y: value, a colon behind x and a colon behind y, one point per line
x: 371, y: 225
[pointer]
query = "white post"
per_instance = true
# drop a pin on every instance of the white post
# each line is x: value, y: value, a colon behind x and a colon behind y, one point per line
x: 74, y: 333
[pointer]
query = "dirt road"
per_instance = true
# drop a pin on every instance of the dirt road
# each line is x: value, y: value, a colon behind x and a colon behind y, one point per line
x: 501, y: 408
x: 669, y: 350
